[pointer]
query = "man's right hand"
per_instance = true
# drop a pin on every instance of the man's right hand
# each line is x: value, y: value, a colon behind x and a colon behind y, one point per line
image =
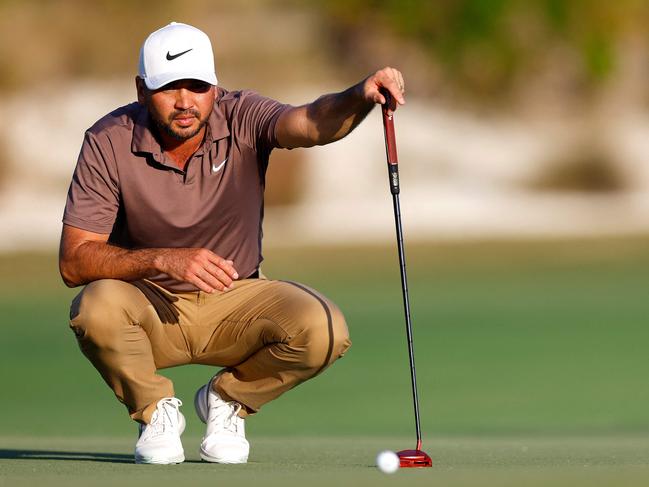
x: 200, y: 267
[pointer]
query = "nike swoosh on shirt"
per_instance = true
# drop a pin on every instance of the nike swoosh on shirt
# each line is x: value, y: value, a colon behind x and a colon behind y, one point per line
x: 171, y: 57
x: 216, y: 168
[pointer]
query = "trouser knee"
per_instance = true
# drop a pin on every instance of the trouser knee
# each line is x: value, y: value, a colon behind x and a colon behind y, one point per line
x: 101, y: 312
x: 324, y: 337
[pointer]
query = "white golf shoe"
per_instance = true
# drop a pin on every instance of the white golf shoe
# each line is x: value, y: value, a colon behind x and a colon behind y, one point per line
x: 159, y: 441
x: 225, y: 436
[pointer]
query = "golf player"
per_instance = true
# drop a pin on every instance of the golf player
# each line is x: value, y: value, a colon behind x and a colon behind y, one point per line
x: 163, y: 226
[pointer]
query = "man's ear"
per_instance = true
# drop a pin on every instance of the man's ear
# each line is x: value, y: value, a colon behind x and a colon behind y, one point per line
x: 141, y: 90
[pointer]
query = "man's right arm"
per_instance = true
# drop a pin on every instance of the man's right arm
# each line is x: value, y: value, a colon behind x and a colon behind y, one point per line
x: 86, y: 256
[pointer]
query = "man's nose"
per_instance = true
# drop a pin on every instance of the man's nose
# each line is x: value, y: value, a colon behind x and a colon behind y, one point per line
x: 183, y: 99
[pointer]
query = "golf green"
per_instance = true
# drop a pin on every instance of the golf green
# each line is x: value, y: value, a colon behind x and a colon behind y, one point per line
x: 531, y: 360
x: 325, y: 461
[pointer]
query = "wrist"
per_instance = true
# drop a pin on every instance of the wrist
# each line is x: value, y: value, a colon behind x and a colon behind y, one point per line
x: 359, y: 92
x: 153, y: 260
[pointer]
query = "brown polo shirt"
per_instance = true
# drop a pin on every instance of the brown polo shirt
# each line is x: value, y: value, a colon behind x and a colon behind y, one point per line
x: 125, y: 185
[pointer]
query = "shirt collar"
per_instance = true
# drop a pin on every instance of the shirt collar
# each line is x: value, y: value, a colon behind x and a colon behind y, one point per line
x: 144, y: 140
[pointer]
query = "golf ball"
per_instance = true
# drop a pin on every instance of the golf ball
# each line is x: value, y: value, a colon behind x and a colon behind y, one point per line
x: 387, y: 461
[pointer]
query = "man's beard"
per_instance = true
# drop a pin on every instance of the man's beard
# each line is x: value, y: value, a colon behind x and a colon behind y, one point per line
x: 166, y: 127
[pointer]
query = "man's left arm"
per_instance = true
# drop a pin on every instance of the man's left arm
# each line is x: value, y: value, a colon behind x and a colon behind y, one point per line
x: 331, y: 117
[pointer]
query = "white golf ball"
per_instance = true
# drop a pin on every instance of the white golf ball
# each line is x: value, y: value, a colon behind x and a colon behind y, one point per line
x: 387, y: 461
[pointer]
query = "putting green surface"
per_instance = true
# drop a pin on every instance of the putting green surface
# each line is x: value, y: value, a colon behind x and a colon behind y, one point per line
x: 531, y: 361
x: 277, y: 461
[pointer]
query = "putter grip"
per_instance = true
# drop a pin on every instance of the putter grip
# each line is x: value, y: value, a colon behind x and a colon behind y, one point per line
x: 388, y: 129
x: 390, y: 144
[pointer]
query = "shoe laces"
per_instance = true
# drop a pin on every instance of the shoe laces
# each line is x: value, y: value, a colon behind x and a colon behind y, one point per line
x: 225, y: 416
x: 166, y: 417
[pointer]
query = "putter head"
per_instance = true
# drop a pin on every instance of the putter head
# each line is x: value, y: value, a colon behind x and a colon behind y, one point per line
x: 414, y: 459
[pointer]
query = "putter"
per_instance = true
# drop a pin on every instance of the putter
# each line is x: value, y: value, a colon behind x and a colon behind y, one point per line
x: 416, y: 457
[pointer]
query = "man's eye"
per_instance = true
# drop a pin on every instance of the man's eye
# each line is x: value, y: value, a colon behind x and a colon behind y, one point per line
x: 200, y: 87
x: 193, y: 86
x: 169, y: 88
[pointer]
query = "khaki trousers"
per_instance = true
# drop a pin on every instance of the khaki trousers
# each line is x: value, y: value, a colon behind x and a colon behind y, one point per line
x: 270, y: 336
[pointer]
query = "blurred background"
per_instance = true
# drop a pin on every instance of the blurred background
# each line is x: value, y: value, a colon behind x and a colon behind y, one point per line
x: 525, y: 198
x: 524, y: 118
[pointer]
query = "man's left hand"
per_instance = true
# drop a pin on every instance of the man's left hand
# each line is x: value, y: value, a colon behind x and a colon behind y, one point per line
x: 389, y: 79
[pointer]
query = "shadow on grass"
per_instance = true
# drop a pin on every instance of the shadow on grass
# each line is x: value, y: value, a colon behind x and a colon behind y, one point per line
x: 66, y: 455
x: 78, y: 456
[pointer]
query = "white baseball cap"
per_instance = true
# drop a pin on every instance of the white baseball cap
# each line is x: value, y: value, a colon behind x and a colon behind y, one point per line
x: 176, y: 51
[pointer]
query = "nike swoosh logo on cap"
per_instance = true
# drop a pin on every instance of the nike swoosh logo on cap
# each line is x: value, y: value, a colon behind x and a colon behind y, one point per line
x: 216, y: 168
x: 171, y: 57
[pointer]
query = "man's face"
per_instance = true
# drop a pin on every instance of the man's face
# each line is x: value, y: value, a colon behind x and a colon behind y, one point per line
x: 179, y: 109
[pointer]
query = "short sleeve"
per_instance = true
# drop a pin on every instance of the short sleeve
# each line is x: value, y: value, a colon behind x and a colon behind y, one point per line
x: 257, y: 117
x: 93, y: 196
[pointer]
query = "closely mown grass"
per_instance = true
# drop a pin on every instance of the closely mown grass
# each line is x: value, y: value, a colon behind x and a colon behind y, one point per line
x: 316, y: 461
x: 538, y: 343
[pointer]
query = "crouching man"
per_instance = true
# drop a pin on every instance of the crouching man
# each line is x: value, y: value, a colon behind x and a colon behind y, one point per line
x: 163, y: 226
